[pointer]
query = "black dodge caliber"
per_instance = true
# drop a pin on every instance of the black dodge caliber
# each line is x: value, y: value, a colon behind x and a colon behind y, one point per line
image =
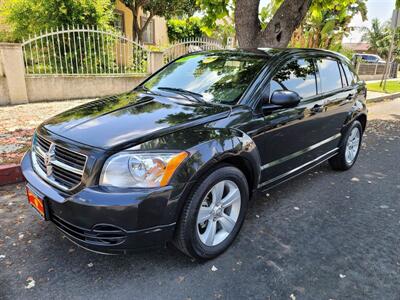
x: 178, y: 158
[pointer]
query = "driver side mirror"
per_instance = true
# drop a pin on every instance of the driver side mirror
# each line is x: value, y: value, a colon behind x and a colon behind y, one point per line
x: 285, y: 98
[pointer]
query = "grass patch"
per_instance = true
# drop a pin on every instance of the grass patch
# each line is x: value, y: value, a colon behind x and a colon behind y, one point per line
x: 391, y: 87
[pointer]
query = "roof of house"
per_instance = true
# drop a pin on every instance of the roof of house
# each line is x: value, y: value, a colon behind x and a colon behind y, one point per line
x: 357, y: 46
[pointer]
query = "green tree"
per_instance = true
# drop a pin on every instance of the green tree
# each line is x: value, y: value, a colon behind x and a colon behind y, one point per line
x: 160, y: 8
x: 26, y: 17
x: 327, y: 22
x: 179, y: 29
x: 379, y: 38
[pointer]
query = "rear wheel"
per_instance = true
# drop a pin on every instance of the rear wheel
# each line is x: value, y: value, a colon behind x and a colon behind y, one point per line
x: 213, y: 214
x: 349, y: 148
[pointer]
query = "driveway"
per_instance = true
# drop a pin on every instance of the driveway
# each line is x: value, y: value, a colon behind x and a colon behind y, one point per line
x: 324, y: 235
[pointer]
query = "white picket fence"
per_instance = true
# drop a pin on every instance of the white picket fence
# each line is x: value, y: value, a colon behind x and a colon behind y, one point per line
x: 93, y: 51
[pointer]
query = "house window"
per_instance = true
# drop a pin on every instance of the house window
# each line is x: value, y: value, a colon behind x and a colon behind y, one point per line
x: 148, y: 33
x: 119, y: 21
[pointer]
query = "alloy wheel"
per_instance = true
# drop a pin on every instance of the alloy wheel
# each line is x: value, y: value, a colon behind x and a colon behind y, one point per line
x: 352, y: 145
x: 218, y: 213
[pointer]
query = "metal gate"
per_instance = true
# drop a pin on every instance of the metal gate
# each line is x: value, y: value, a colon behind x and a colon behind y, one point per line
x: 183, y: 47
x: 83, y: 51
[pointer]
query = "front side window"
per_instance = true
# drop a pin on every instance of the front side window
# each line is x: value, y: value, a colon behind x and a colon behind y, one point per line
x: 296, y: 76
x: 329, y: 74
x: 216, y: 77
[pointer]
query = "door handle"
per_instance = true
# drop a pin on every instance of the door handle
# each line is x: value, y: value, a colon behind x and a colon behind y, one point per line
x: 350, y: 97
x: 317, y: 108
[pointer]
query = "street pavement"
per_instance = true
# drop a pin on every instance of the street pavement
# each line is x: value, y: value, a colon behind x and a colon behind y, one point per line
x: 324, y: 235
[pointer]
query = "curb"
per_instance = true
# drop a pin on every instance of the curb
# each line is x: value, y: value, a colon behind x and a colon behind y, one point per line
x: 383, y: 98
x: 10, y: 174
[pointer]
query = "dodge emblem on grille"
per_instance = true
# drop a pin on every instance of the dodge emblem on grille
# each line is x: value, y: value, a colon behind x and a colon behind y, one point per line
x: 48, y: 157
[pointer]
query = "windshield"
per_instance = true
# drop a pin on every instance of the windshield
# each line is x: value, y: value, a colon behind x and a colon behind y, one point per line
x: 215, y: 77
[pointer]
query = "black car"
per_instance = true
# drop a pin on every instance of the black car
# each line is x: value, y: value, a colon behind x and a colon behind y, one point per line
x: 178, y: 158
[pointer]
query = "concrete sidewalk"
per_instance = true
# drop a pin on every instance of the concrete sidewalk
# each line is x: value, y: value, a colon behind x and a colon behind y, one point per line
x: 387, y: 110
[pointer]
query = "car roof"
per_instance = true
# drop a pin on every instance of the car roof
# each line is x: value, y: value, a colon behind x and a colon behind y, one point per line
x: 276, y: 52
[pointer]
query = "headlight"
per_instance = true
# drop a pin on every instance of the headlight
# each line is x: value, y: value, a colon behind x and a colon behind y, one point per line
x: 140, y: 169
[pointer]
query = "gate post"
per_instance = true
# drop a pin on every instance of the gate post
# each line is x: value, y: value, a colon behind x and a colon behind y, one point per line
x: 13, y: 68
x: 156, y: 61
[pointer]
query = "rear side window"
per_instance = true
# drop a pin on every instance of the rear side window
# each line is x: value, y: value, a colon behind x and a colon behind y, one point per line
x: 329, y: 74
x: 351, y: 78
x: 297, y: 76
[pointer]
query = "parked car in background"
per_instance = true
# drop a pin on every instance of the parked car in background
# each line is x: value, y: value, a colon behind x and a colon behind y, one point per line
x: 178, y: 158
x: 368, y: 58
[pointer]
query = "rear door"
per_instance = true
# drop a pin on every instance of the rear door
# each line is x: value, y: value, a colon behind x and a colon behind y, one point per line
x: 338, y: 95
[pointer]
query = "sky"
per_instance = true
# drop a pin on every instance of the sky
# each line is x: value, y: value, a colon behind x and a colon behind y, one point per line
x: 380, y: 9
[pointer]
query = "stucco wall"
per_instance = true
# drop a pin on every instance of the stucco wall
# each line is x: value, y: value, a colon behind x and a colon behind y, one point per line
x: 64, y: 87
x: 128, y: 18
x: 370, y: 77
x: 4, y: 97
x: 160, y: 31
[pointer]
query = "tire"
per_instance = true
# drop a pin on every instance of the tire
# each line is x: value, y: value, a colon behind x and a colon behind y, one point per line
x: 342, y: 162
x: 194, y: 238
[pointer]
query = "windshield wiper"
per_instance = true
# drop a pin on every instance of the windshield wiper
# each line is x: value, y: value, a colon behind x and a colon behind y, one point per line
x: 145, y: 88
x: 194, y: 96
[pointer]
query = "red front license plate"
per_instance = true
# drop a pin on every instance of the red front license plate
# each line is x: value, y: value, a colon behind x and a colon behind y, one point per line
x: 36, y: 202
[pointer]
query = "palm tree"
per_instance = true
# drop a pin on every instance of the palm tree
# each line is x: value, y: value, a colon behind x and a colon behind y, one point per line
x: 378, y: 37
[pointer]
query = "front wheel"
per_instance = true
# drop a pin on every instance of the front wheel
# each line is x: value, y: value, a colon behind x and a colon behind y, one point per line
x: 213, y: 213
x: 349, y: 148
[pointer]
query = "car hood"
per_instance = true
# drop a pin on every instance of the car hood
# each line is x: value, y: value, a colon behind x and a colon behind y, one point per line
x: 129, y: 119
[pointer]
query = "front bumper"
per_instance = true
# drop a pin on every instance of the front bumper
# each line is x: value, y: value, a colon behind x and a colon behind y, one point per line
x: 104, y: 221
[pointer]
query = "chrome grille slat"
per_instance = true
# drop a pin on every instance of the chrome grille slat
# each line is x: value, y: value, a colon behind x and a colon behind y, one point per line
x: 63, y: 153
x: 67, y: 167
x: 64, y: 168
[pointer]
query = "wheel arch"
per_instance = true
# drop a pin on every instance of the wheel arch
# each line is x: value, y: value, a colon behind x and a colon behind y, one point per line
x: 362, y: 118
x: 242, y: 154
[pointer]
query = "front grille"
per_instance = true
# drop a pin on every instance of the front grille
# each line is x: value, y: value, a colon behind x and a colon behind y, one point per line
x: 100, y: 235
x: 58, y: 165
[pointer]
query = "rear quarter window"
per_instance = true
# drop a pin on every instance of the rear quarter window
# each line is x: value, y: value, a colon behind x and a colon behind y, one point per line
x: 329, y: 74
x: 350, y: 75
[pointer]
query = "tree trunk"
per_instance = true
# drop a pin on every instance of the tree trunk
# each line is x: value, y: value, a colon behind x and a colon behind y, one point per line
x: 247, y: 24
x: 278, y: 31
x: 138, y: 29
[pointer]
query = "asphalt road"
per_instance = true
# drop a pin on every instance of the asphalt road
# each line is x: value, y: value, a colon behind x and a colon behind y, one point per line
x: 324, y: 235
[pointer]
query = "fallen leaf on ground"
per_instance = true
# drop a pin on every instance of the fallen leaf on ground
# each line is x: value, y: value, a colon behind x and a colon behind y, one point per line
x: 31, y: 283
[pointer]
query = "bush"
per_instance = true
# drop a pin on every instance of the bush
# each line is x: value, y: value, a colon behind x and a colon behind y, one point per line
x: 184, y: 29
x: 27, y: 17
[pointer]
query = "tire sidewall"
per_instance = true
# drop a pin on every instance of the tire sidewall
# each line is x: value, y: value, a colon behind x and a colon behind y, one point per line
x: 220, y: 174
